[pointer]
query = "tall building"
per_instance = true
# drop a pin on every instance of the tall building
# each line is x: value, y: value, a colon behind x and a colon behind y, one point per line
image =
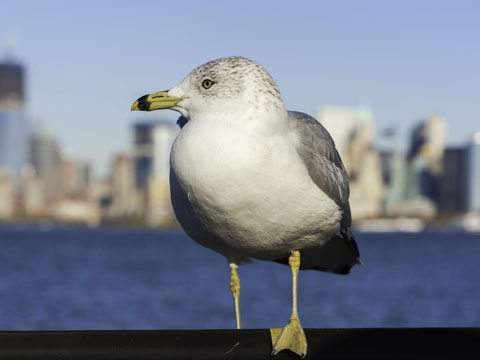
x: 7, y: 196
x: 416, y: 180
x: 123, y: 192
x: 453, y: 190
x: 46, y: 158
x: 473, y: 174
x: 152, y: 143
x: 33, y: 195
x: 76, y: 204
x: 353, y: 131
x: 14, y: 141
x: 14, y: 124
x: 428, y: 141
x: 401, y: 196
x: 75, y: 179
x: 425, y: 157
x: 12, y: 87
x: 387, y: 159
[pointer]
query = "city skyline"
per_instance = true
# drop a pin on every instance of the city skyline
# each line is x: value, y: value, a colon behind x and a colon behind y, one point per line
x: 40, y: 182
x: 86, y: 62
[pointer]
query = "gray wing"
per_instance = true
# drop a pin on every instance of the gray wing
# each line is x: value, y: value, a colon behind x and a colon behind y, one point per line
x: 318, y: 152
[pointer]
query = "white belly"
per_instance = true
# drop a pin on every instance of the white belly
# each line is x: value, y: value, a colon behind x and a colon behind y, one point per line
x: 247, y: 196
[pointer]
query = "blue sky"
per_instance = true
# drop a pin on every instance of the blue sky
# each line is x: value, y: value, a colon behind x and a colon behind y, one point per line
x: 89, y: 60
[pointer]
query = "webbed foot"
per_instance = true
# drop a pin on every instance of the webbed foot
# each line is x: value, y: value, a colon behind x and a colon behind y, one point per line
x: 291, y: 337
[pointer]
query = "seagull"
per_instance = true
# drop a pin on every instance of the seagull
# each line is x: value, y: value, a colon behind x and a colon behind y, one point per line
x: 249, y: 179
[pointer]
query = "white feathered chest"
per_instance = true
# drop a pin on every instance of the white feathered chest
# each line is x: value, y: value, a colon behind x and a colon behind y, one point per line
x: 249, y: 192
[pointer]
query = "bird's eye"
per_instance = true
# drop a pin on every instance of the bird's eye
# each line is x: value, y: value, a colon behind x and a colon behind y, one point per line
x: 207, y: 84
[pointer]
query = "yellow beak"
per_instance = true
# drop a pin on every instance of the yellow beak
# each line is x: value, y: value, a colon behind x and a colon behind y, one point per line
x: 155, y: 101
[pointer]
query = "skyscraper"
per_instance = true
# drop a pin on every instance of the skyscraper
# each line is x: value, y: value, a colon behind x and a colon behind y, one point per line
x: 425, y: 157
x: 46, y: 159
x: 14, y: 141
x: 152, y: 142
x: 453, y: 190
x: 415, y: 181
x: 6, y: 195
x: 12, y: 92
x: 14, y: 125
x: 123, y: 194
x: 428, y: 141
x: 473, y: 174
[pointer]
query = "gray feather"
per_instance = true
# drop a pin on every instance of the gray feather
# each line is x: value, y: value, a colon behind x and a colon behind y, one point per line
x: 317, y: 150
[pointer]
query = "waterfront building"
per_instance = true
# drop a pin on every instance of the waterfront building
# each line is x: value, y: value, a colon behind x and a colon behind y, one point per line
x: 415, y: 181
x: 427, y: 140
x: 46, y: 159
x: 7, y: 196
x: 401, y: 198
x: 473, y: 174
x: 14, y: 124
x: 387, y: 158
x: 14, y: 142
x: 453, y: 182
x: 425, y: 157
x: 33, y: 202
x: 123, y: 191
x: 12, y: 85
x: 77, y: 212
x: 74, y: 179
x: 152, y: 144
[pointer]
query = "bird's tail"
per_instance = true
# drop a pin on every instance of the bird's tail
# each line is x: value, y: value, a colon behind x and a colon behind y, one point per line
x: 349, y: 239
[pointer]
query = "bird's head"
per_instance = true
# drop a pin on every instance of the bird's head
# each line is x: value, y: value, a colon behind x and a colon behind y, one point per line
x: 227, y: 85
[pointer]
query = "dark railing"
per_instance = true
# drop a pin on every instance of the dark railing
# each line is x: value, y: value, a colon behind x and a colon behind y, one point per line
x: 352, y: 344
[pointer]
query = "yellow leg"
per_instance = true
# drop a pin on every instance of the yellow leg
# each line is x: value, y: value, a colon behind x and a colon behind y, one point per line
x: 235, y: 288
x: 292, y: 336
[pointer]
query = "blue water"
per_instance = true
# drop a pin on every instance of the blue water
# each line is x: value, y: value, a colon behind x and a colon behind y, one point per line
x: 72, y: 279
